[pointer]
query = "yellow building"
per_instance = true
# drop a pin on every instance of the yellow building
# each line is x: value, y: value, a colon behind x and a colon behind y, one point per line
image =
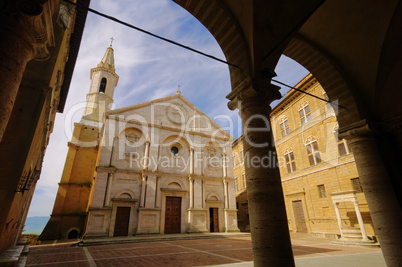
x: 39, y: 47
x: 240, y: 185
x: 320, y: 182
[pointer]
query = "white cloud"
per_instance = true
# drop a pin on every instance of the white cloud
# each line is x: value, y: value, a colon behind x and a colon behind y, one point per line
x: 148, y: 68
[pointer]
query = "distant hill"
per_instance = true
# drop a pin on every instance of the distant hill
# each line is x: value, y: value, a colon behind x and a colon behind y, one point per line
x: 35, y: 225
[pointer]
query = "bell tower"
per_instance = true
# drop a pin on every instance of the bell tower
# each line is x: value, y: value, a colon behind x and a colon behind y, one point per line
x: 71, y: 205
x: 103, y: 82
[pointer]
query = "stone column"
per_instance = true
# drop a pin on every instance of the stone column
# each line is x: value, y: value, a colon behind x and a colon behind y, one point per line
x: 225, y: 192
x: 360, y: 220
x: 143, y: 184
x: 378, y: 189
x: 268, y: 220
x: 150, y: 191
x: 191, y: 161
x: 338, y: 218
x: 146, y: 156
x: 109, y: 188
x: 23, y: 37
x: 224, y: 165
x: 191, y: 191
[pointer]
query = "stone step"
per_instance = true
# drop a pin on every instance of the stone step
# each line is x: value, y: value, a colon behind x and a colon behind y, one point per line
x: 352, y: 237
x: 11, y: 256
x: 157, y: 237
x: 351, y: 231
x: 356, y: 242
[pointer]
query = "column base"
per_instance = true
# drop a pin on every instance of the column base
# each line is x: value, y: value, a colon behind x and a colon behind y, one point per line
x: 231, y: 221
x: 197, y: 220
x: 149, y: 221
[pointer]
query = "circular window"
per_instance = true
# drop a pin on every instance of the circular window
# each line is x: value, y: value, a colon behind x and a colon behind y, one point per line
x: 174, y: 150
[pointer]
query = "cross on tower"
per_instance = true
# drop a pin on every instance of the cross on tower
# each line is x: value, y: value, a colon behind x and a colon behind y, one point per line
x: 178, y: 89
x: 111, y: 41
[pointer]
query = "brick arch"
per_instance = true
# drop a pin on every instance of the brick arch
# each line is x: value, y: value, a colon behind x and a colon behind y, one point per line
x: 226, y: 31
x: 334, y: 82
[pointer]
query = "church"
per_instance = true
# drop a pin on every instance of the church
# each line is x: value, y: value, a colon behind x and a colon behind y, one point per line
x: 158, y: 167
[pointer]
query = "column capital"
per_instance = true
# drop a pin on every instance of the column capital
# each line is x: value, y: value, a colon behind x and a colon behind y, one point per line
x: 32, y: 21
x: 252, y: 90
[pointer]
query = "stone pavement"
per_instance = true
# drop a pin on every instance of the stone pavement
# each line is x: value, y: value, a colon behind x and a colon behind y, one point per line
x: 228, y: 251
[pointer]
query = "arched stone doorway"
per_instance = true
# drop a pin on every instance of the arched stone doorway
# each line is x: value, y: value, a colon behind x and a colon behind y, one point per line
x: 345, y: 45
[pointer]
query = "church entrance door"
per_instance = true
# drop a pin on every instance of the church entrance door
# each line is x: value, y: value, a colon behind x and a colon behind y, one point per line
x: 213, y: 220
x: 122, y: 221
x: 173, y: 215
x: 299, y: 216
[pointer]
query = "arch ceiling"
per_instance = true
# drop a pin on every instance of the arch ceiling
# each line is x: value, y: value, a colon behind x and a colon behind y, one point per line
x: 359, y: 37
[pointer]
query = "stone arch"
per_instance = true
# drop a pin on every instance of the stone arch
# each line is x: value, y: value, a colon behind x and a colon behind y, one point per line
x: 131, y: 129
x: 325, y: 70
x: 174, y: 185
x: 73, y: 232
x: 288, y: 150
x: 177, y: 141
x: 102, y: 86
x: 213, y: 197
x: 283, y: 119
x: 123, y: 192
x: 171, y: 181
x: 220, y: 22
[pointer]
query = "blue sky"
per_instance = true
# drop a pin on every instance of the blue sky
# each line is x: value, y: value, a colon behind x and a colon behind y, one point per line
x: 148, y: 68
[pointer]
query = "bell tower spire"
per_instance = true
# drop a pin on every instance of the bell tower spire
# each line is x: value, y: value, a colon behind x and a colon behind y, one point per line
x: 103, y: 82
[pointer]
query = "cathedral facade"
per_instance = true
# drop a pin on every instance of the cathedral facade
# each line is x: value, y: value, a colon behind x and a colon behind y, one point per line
x: 161, y: 166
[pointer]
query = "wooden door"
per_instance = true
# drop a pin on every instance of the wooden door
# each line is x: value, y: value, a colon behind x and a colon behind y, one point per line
x: 213, y: 220
x: 122, y: 221
x: 173, y: 215
x: 299, y: 216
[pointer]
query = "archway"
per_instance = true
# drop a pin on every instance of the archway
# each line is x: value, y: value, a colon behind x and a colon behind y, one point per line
x: 73, y: 234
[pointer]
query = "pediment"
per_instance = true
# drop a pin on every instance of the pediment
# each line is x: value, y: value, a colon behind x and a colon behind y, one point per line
x: 171, y: 112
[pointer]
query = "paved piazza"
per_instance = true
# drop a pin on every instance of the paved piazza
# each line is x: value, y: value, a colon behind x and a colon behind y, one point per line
x: 233, y: 251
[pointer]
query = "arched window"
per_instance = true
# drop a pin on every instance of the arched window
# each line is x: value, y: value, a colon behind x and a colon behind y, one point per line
x: 343, y: 147
x: 312, y: 150
x: 290, y: 160
x: 284, y: 124
x: 102, y: 87
x: 304, y: 111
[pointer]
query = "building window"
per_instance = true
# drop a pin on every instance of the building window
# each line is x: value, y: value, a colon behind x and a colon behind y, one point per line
x: 304, y: 111
x: 234, y: 161
x: 356, y: 185
x: 321, y: 191
x: 102, y: 87
x: 241, y: 157
x: 284, y: 124
x: 290, y: 160
x: 312, y: 151
x: 236, y: 184
x: 343, y: 147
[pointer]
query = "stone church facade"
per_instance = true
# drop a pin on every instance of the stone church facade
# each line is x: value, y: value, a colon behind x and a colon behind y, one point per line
x: 161, y: 166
